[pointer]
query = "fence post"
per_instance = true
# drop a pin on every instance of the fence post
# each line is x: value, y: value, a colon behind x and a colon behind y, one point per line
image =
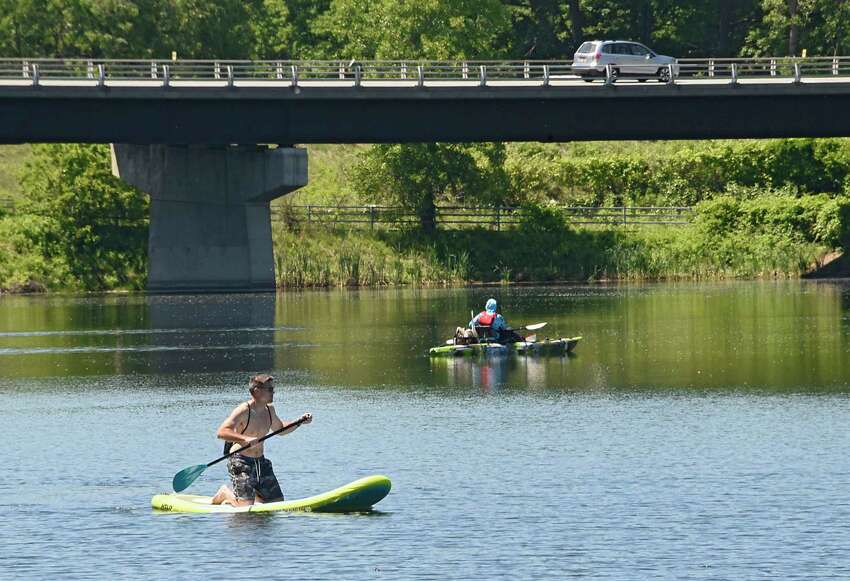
x: 772, y: 67
x: 798, y: 75
x: 309, y: 214
x: 498, y: 218
x: 217, y: 71
x: 835, y: 65
x: 734, y: 80
x: 465, y: 70
x: 545, y: 75
x: 625, y: 218
x: 710, y: 67
x: 482, y: 76
x: 101, y: 76
x: 35, y: 75
x: 371, y: 217
x: 525, y: 70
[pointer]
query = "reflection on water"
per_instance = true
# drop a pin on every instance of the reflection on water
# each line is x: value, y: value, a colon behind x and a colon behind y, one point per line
x: 784, y: 336
x: 491, y: 372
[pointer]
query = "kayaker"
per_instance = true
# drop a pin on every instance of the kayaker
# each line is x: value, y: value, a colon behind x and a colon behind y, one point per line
x: 492, y: 319
x: 250, y: 471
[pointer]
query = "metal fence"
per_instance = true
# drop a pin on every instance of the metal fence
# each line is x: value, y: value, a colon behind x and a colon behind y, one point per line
x: 102, y: 72
x: 459, y: 217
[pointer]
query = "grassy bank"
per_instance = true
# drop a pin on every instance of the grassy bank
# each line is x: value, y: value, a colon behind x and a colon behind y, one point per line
x: 778, y: 236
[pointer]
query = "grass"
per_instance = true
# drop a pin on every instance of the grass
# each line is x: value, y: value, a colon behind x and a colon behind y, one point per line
x: 324, y: 258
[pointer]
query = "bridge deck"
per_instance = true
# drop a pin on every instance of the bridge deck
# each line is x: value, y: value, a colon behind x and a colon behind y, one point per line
x: 213, y: 103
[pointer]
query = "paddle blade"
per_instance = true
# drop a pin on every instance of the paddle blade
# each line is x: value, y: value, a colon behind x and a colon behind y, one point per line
x: 536, y: 326
x: 184, y: 478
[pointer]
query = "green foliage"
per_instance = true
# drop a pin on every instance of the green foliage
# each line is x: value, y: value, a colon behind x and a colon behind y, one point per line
x: 412, y: 29
x: 84, y: 218
x: 12, y: 160
x: 22, y: 266
x: 419, y: 176
x: 817, y: 219
x: 760, y: 237
x: 322, y: 258
x: 786, y: 28
x: 685, y: 175
x: 432, y: 29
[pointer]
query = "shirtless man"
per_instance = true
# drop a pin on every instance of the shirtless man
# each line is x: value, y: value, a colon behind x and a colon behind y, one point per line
x: 250, y: 472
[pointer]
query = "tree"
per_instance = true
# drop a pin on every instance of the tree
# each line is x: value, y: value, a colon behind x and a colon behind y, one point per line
x: 540, y: 30
x: 789, y: 26
x: 413, y: 29
x: 417, y: 177
x: 88, y: 219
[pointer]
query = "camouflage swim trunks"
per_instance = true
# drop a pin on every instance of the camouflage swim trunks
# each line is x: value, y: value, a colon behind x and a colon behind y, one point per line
x: 253, y: 477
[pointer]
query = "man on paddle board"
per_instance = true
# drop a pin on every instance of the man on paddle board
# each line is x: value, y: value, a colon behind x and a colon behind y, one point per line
x: 250, y: 471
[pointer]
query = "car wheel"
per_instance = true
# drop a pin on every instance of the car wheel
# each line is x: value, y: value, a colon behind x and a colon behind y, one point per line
x: 641, y: 80
x: 663, y: 75
x: 587, y: 80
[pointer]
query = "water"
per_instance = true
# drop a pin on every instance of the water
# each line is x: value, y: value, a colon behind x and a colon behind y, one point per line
x: 698, y: 432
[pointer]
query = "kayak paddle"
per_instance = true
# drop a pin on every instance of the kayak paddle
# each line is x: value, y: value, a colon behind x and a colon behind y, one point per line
x: 183, y: 479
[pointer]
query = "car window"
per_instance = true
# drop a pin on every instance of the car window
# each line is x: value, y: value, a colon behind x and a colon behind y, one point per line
x: 622, y: 48
x: 586, y: 47
x: 608, y: 49
x: 639, y: 50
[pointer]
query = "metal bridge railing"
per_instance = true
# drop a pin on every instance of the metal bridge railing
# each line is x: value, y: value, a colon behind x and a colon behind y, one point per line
x: 413, y: 72
x: 460, y: 217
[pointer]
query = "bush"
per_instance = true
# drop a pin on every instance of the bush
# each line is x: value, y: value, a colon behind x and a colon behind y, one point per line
x: 637, y: 174
x: 85, y: 218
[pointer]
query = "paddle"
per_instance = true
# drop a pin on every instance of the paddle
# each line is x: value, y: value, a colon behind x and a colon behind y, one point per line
x: 184, y: 478
x: 533, y: 327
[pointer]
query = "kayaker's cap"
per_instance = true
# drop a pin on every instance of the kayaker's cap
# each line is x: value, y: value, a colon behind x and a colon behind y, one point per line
x: 490, y: 307
x: 261, y: 380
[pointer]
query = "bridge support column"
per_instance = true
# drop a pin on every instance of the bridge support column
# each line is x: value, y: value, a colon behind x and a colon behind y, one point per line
x: 210, y: 223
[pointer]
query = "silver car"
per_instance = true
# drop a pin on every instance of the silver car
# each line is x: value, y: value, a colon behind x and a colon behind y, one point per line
x: 627, y: 59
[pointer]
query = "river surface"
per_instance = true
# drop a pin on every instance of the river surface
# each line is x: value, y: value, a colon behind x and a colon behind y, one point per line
x: 700, y: 431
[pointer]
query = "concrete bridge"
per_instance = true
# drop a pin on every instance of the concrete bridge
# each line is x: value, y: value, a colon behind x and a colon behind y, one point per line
x: 174, y: 123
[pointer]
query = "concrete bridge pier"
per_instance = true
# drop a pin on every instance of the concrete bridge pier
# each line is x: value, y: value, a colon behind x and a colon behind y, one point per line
x: 210, y: 222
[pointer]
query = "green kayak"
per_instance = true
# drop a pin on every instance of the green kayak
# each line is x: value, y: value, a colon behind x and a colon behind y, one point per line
x: 560, y: 346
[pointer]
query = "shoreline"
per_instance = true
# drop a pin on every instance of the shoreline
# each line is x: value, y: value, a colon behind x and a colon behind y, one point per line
x: 434, y: 286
